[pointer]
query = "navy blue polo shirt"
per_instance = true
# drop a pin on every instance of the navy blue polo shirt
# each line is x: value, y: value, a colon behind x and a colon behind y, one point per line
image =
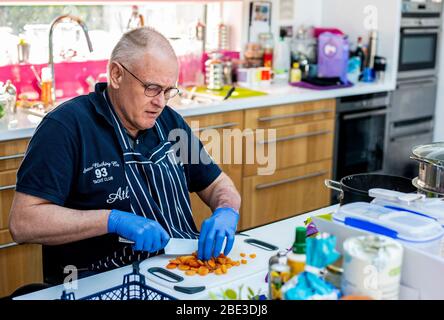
x: 74, y: 160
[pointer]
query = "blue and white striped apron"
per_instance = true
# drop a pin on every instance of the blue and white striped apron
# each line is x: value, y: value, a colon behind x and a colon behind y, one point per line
x: 158, y: 191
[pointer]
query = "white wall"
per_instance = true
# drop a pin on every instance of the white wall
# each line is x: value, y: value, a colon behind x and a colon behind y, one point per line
x: 306, y: 12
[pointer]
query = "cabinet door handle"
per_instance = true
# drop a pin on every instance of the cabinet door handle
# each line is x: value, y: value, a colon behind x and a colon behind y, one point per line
x: 8, y: 245
x: 3, y: 188
x: 297, y: 136
x: 218, y: 126
x: 294, y: 115
x: 294, y: 179
x: 14, y: 156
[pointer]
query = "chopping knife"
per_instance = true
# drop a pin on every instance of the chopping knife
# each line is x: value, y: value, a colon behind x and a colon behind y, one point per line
x: 230, y: 92
x: 175, y: 246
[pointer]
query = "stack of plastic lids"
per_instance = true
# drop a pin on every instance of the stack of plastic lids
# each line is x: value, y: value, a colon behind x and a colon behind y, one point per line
x: 410, y: 228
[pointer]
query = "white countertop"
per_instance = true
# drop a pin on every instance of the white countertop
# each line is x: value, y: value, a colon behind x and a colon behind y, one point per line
x: 282, y: 93
x: 279, y: 233
x: 278, y: 94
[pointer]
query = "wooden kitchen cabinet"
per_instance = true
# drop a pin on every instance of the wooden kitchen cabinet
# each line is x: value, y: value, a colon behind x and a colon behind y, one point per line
x: 286, y: 193
x: 291, y: 114
x: 304, y: 138
x: 12, y: 153
x: 19, y: 264
x: 296, y: 145
x: 219, y: 122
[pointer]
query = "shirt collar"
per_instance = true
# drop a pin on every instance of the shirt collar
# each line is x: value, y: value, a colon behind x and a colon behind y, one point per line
x: 99, y: 102
x: 101, y: 105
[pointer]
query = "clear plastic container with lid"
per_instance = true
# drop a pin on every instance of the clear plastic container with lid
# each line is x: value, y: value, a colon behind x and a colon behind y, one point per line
x: 409, y: 228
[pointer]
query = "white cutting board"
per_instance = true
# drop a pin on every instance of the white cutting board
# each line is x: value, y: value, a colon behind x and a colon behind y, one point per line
x: 211, y: 280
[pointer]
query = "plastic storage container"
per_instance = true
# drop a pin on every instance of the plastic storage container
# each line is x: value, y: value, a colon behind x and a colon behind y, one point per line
x: 411, y: 202
x: 409, y: 228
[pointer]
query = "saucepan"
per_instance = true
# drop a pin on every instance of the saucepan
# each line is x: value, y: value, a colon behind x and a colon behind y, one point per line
x: 355, y: 188
x: 431, y: 168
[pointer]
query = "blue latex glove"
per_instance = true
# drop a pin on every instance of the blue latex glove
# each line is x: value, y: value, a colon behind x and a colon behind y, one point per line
x: 222, y: 224
x: 147, y: 235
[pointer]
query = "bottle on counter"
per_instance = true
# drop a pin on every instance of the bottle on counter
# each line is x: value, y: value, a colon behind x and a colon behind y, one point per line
x: 295, y: 73
x: 46, y: 87
x: 360, y: 53
x: 296, y: 258
x: 266, y: 41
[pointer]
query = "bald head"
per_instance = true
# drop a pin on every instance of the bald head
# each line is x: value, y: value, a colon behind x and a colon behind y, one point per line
x: 140, y: 42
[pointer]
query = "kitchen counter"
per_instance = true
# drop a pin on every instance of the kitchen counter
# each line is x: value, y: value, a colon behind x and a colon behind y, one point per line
x: 278, y: 94
x: 268, y: 233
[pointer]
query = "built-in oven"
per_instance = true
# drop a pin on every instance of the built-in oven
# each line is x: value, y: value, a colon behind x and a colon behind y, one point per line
x: 419, y: 39
x: 360, y: 140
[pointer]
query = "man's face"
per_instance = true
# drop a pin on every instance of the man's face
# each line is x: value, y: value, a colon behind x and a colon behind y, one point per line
x: 139, y: 111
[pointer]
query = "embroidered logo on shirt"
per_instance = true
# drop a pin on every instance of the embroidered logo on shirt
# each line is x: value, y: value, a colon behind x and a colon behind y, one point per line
x: 101, y: 171
x: 121, y: 194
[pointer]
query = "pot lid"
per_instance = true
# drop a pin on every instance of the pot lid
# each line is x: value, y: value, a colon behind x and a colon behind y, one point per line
x: 433, y: 152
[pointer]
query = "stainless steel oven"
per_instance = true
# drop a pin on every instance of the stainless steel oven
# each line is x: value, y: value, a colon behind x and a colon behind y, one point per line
x: 361, y: 126
x: 419, y: 39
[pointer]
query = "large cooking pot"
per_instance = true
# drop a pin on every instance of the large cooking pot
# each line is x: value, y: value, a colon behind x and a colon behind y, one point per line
x: 355, y: 188
x: 431, y: 168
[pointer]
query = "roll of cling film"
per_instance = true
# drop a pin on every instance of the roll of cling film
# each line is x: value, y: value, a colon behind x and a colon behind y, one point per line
x: 279, y: 275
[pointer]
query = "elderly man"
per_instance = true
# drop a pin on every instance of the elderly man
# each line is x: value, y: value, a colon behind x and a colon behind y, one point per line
x: 100, y: 168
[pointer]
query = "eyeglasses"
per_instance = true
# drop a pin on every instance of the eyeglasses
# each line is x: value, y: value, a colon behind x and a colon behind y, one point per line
x: 153, y: 90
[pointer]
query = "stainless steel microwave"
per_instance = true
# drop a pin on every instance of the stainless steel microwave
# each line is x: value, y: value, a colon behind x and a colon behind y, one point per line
x: 419, y: 40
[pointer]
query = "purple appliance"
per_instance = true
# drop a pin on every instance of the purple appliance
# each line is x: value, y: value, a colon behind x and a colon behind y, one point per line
x: 333, y: 55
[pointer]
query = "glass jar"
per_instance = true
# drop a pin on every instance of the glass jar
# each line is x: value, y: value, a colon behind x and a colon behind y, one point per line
x: 214, y: 70
x: 334, y: 273
x: 267, y: 43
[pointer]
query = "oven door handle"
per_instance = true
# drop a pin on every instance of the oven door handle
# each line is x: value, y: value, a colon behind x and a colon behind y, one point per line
x: 416, y: 84
x: 421, y: 31
x: 365, y: 114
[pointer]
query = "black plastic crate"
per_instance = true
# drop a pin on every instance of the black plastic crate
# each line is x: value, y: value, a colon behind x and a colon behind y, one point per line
x: 132, y: 288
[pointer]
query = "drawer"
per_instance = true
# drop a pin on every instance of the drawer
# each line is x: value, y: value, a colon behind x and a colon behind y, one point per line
x: 12, y: 153
x: 225, y: 120
x: 285, y: 115
x: 294, y: 145
x: 222, y: 153
x: 7, y: 189
x: 287, y: 193
x: 19, y: 264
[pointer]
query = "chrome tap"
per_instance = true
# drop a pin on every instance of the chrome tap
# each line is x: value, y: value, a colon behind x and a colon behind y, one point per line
x: 56, y: 21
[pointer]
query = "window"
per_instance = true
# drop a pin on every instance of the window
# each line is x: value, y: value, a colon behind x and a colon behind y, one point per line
x: 106, y: 23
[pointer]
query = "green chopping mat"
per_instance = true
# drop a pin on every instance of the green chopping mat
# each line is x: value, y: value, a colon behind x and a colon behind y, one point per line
x: 239, y: 93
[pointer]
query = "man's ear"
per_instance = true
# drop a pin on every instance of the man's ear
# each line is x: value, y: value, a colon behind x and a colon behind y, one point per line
x: 115, y: 75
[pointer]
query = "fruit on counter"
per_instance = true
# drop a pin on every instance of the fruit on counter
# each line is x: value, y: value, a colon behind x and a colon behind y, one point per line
x: 191, y: 265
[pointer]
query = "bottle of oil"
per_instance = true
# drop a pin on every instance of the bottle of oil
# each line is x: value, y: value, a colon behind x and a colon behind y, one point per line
x: 46, y: 87
x: 296, y: 258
